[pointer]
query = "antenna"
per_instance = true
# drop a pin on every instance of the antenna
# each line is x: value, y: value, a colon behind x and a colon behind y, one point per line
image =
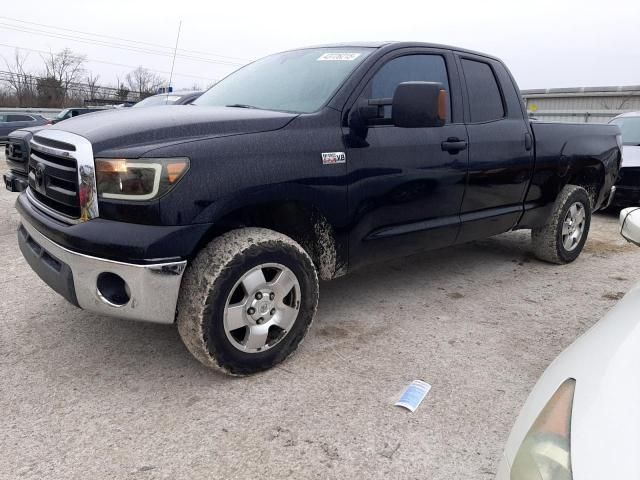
x: 173, y: 62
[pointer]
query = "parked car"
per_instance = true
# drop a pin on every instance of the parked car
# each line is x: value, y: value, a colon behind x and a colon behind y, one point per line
x: 628, y: 184
x: 173, y: 98
x: 12, y: 121
x: 306, y: 164
x: 74, y: 112
x: 581, y: 419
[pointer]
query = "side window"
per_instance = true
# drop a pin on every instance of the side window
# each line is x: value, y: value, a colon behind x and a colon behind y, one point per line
x: 3, y: 118
x: 425, y: 68
x: 19, y: 118
x: 485, y: 100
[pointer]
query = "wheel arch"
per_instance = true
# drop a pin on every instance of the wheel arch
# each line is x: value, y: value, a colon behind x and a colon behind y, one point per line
x: 592, y: 162
x: 588, y: 173
x: 303, y: 222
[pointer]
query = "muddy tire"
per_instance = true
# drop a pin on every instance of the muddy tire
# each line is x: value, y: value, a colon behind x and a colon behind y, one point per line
x: 247, y: 301
x: 563, y: 236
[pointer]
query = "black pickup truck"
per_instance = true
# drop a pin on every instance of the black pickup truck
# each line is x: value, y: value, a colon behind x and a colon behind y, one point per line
x: 223, y: 215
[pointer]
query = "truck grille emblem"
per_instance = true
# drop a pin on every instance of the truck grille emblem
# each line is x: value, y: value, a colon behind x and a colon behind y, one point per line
x: 39, y: 174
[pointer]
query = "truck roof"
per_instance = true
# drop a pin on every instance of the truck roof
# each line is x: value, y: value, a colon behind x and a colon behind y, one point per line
x: 397, y: 44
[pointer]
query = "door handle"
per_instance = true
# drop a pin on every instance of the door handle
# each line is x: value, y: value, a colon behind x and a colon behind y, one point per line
x: 454, y: 145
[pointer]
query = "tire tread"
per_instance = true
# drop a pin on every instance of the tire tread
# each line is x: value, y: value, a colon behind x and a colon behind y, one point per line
x: 545, y: 239
x: 202, y: 276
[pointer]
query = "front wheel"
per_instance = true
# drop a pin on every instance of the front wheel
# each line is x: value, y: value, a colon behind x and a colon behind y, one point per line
x: 247, y: 301
x: 563, y: 236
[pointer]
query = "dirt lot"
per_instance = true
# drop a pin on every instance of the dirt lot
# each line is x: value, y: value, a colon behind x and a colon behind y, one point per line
x: 92, y: 397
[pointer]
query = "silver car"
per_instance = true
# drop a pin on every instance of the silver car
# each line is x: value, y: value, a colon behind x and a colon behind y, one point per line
x: 10, y: 121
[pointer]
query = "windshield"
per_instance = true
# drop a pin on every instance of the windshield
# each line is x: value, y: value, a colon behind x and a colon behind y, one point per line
x: 63, y: 114
x: 300, y: 81
x: 157, y: 100
x: 630, y: 127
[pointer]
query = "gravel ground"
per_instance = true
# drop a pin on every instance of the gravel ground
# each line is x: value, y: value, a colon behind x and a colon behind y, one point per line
x: 92, y: 397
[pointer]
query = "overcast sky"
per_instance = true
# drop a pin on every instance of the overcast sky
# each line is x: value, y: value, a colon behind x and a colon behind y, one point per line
x: 560, y: 43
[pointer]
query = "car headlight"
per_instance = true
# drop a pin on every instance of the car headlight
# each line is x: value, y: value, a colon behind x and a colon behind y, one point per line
x: 545, y: 453
x: 138, y: 179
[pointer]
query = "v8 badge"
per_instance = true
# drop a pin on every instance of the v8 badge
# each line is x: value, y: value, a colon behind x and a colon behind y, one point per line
x: 329, y: 158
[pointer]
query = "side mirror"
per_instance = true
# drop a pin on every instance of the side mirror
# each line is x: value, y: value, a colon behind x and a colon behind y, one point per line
x: 419, y: 104
x: 630, y: 224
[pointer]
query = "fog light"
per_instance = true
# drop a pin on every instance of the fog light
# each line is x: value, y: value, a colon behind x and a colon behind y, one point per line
x: 112, y: 289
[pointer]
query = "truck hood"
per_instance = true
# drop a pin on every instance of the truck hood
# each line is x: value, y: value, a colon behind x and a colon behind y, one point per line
x: 27, y: 132
x: 605, y: 432
x: 140, y: 129
x: 631, y: 156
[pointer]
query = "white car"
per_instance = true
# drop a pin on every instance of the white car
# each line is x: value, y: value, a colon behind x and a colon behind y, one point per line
x: 582, y: 419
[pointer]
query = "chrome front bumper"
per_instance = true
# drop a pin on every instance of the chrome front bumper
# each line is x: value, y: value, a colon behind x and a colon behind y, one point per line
x: 153, y: 289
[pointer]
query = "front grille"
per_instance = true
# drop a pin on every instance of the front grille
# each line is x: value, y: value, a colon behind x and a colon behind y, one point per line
x: 49, y: 142
x: 53, y: 179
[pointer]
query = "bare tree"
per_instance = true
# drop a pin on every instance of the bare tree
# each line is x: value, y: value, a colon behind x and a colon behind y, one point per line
x: 50, y: 92
x: 64, y: 68
x: 123, y: 92
x: 92, y: 85
x: 20, y: 81
x: 143, y: 82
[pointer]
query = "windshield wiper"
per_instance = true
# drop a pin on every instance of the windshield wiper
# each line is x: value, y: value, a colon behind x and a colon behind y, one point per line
x: 240, y: 105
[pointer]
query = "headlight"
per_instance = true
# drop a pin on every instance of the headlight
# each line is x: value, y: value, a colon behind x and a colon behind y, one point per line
x: 545, y: 453
x: 138, y: 179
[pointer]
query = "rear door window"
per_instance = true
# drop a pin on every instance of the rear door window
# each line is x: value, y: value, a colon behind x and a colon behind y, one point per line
x: 485, y: 99
x: 19, y: 118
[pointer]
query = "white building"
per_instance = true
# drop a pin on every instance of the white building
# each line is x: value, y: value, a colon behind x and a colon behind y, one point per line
x: 583, y: 105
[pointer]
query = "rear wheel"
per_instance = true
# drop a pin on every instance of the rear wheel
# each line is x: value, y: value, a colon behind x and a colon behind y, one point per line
x: 563, y: 237
x: 247, y: 301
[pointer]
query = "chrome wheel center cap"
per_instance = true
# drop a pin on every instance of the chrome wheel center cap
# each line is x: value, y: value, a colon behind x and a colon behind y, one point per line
x: 261, y: 309
x: 264, y: 306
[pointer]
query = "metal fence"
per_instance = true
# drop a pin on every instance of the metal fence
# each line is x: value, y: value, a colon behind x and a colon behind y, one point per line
x: 45, y: 112
x: 582, y: 105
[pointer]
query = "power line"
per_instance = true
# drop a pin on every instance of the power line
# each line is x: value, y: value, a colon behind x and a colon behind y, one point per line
x: 121, y: 39
x: 33, y: 31
x: 89, y: 60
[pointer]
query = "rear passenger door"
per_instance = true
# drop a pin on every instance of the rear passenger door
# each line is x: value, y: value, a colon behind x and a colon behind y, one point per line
x: 500, y: 149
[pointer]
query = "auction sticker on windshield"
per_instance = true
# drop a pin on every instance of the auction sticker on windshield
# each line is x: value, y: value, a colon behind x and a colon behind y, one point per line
x: 339, y: 57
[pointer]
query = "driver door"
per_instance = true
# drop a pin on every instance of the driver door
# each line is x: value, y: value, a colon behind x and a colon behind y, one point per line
x: 406, y: 185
